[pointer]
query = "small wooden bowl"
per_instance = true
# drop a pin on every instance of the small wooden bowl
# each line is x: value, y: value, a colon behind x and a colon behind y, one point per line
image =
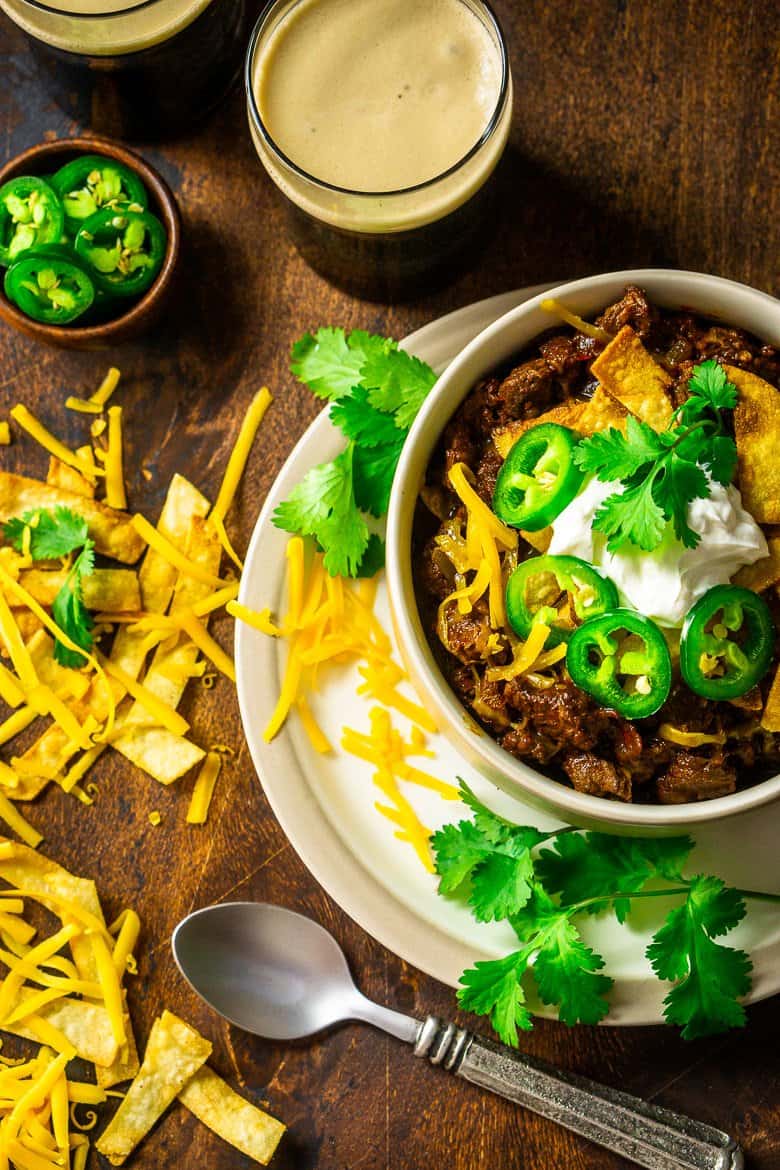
x: 45, y: 159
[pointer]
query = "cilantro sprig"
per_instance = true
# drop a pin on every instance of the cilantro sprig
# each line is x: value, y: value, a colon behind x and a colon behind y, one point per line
x: 541, y: 883
x: 375, y: 390
x: 51, y: 534
x: 663, y: 472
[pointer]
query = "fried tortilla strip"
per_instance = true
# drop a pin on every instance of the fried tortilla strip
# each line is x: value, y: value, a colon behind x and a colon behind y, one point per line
x: 538, y: 540
x: 105, y: 590
x: 154, y: 749
x: 173, y: 1055
x: 230, y: 1117
x: 156, y: 581
x: 583, y: 415
x: 62, y: 476
x: 49, y: 754
x: 757, y: 429
x: 112, y: 531
x: 631, y: 375
x: 770, y: 720
x: 86, y: 1025
x: 126, y: 1064
x: 764, y: 573
x: 26, y: 869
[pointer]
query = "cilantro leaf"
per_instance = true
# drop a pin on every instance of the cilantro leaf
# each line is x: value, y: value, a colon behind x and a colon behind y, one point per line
x: 709, y: 977
x: 329, y: 362
x: 632, y: 515
x: 374, y: 469
x: 69, y: 611
x: 323, y: 505
x: 494, y: 862
x: 358, y: 420
x: 610, y: 455
x: 682, y: 483
x: 54, y: 532
x: 708, y: 383
x: 488, y: 858
x: 494, y: 988
x: 373, y: 558
x: 397, y: 383
x: 720, y: 459
x: 594, y: 865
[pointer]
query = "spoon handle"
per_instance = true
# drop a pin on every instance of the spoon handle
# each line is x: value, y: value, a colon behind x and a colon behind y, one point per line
x: 650, y: 1136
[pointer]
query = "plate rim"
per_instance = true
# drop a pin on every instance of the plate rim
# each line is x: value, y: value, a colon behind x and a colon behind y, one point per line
x: 370, y: 904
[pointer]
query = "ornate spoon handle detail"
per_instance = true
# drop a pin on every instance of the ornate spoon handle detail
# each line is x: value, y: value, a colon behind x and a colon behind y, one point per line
x: 650, y: 1136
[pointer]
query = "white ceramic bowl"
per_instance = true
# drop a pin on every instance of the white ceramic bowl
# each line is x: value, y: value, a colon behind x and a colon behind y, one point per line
x: 710, y: 296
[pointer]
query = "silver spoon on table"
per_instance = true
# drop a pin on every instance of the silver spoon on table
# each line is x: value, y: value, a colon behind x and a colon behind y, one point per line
x: 280, y: 975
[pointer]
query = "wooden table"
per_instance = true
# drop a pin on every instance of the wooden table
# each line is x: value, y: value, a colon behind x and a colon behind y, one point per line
x: 644, y: 134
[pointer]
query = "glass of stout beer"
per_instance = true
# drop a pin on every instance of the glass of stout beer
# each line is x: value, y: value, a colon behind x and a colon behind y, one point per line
x: 134, y: 68
x: 381, y: 122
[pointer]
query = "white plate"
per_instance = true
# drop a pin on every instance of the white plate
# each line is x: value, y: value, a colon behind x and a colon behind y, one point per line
x: 325, y: 804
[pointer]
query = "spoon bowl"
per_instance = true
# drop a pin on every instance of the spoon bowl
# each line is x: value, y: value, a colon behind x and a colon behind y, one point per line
x: 268, y: 970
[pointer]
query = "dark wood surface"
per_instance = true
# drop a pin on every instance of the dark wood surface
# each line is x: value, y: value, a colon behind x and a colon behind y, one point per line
x: 644, y: 134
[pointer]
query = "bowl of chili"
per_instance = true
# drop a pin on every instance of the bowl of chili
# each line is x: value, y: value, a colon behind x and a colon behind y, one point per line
x: 137, y: 298
x: 533, y: 480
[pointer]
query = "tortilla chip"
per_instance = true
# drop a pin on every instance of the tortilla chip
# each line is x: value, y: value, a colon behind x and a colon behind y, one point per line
x: 770, y: 720
x: 112, y: 531
x: 583, y: 415
x: 126, y: 1064
x: 159, y: 752
x: 757, y: 429
x: 173, y: 1055
x: 764, y: 573
x: 104, y: 590
x: 85, y: 1024
x: 29, y: 870
x: 538, y: 540
x: 628, y: 372
x: 62, y: 476
x: 230, y: 1117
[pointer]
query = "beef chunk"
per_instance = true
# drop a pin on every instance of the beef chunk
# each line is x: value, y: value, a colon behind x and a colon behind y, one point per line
x: 597, y: 777
x: 530, y: 382
x: 691, y: 777
x: 561, y: 713
x: 632, y: 309
x: 436, y: 572
x: 467, y: 634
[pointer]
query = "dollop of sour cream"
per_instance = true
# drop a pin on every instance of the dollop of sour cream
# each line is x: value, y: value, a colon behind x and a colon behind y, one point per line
x: 665, y: 583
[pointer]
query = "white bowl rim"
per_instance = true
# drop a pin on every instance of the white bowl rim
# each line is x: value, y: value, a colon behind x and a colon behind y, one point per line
x: 524, y: 780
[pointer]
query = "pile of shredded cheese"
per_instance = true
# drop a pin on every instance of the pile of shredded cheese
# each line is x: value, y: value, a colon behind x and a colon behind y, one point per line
x: 331, y: 622
x: 118, y: 698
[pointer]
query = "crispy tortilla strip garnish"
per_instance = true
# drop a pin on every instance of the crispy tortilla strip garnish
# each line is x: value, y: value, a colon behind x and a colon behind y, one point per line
x: 85, y: 1025
x: 764, y: 573
x: 109, y: 590
x: 585, y: 416
x: 631, y: 375
x: 173, y: 554
x: 112, y: 531
x: 173, y: 1055
x: 62, y: 476
x: 126, y: 1063
x: 153, y: 749
x: 230, y: 1117
x: 770, y: 720
x: 538, y: 540
x: 757, y: 426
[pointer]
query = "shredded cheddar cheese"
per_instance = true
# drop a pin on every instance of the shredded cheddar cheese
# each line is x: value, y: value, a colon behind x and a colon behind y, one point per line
x: 83, y: 405
x: 155, y: 539
x: 5, y: 434
x: 486, y: 538
x: 27, y: 420
x: 203, y: 791
x: 106, y: 387
x: 115, y: 481
x: 240, y: 453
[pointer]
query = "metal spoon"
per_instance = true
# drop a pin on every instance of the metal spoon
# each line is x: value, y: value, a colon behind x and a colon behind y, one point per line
x: 280, y: 975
